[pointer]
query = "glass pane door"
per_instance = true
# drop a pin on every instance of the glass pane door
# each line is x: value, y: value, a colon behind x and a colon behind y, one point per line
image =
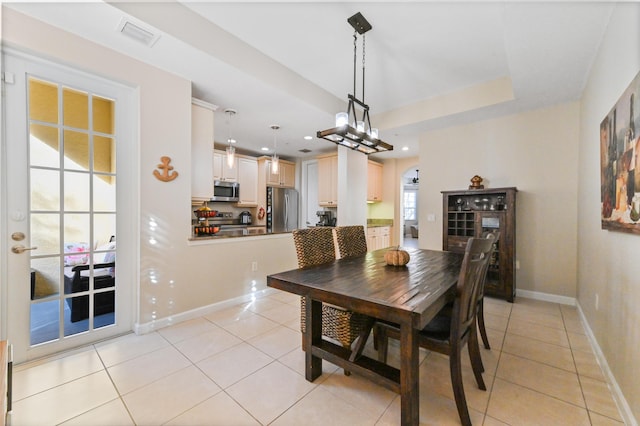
x: 72, y: 184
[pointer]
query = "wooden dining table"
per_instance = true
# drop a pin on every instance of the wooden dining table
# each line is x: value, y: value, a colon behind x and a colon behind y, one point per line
x: 409, y: 296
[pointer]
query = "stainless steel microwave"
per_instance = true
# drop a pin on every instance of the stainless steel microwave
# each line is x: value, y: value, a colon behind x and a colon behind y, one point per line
x: 226, y: 191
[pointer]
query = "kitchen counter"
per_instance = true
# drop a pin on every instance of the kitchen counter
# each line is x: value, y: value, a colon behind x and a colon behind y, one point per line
x: 236, y: 232
x: 373, y: 223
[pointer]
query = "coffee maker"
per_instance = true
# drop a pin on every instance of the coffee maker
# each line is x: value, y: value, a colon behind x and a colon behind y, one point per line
x: 324, y: 217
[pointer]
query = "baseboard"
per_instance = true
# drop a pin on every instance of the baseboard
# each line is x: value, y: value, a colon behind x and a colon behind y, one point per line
x: 547, y: 297
x: 623, y: 406
x: 143, y: 328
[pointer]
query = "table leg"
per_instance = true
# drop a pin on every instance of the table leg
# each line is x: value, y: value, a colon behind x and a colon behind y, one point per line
x: 409, y: 390
x: 313, y: 335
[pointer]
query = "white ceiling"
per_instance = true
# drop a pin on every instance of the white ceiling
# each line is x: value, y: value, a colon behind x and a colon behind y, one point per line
x: 291, y: 63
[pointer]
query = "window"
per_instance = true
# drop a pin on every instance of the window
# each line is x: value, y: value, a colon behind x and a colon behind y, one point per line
x: 410, y: 207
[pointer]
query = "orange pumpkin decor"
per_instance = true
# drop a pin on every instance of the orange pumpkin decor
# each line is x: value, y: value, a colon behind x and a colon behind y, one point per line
x: 396, y: 257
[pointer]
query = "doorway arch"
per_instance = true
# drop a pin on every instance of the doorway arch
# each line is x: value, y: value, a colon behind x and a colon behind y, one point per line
x: 409, y: 202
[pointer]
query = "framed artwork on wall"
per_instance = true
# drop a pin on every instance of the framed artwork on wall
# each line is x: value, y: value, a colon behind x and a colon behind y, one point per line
x: 620, y: 162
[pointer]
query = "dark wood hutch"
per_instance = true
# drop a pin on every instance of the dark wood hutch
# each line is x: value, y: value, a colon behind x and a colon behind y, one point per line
x: 471, y: 213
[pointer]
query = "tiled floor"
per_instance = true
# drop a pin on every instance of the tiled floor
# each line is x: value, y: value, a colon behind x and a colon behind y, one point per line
x: 244, y: 366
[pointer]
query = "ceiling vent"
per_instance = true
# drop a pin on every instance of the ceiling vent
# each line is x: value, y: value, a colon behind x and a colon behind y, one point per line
x: 136, y: 32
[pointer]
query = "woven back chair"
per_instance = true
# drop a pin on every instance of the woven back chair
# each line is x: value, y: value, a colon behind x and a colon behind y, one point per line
x: 314, y: 246
x: 352, y: 241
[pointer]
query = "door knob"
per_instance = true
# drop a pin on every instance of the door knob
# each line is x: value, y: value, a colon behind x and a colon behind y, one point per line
x: 21, y: 249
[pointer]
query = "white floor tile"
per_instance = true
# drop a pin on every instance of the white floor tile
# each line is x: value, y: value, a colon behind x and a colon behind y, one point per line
x: 217, y: 410
x: 112, y: 413
x: 270, y: 391
x: 234, y: 364
x: 277, y: 342
x: 64, y: 402
x: 47, y: 375
x: 321, y: 408
x: 128, y: 347
x: 184, y: 330
x: 170, y: 396
x: 249, y: 327
x: 145, y: 369
x: 204, y: 345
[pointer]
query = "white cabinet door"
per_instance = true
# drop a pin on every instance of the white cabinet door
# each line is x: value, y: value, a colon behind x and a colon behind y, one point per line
x: 248, y: 180
x: 374, y: 182
x: 201, y: 148
x: 287, y: 175
x: 328, y: 181
x: 221, y: 170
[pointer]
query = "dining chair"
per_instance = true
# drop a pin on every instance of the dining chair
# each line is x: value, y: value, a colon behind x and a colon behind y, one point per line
x: 315, y: 246
x: 455, y: 326
x: 495, y: 236
x: 352, y: 241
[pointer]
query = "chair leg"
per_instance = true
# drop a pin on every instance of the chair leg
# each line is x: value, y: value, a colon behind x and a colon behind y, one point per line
x: 473, y: 347
x: 483, y: 330
x: 458, y: 389
x: 361, y: 340
x: 476, y: 359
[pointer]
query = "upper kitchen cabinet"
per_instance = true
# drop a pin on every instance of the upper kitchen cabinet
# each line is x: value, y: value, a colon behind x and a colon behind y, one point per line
x: 201, y: 148
x: 285, y: 176
x: 328, y: 180
x: 374, y: 182
x: 221, y: 170
x: 248, y: 181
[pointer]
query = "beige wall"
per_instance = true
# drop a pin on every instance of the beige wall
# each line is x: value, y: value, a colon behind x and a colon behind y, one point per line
x: 608, y: 266
x: 533, y: 151
x: 172, y: 276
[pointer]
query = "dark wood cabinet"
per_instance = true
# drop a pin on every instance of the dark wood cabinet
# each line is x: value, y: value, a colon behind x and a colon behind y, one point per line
x: 472, y: 213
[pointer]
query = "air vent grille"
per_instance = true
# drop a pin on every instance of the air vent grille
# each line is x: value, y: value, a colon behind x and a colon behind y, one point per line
x: 137, y: 32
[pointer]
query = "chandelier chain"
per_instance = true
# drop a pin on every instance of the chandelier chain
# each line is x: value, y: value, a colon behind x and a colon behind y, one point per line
x: 363, y: 40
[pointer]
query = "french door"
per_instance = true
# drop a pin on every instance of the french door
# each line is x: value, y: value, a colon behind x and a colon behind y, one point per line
x: 67, y: 282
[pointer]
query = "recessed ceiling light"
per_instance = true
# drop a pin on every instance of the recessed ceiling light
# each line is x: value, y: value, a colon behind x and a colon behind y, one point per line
x: 308, y: 138
x: 264, y: 148
x: 232, y: 140
x: 405, y: 148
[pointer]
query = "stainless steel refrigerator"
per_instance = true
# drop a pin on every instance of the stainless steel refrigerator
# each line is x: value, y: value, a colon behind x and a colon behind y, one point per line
x: 282, y: 209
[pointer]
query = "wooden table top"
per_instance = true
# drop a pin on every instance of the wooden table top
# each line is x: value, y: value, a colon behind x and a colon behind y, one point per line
x: 366, y: 284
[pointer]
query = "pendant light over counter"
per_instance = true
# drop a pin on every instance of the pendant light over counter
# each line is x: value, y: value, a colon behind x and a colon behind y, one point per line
x: 231, y: 150
x: 275, y: 161
x: 349, y: 131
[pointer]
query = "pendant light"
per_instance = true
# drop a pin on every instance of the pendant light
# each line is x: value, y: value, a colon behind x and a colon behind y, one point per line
x: 231, y: 150
x: 275, y: 161
x: 350, y: 131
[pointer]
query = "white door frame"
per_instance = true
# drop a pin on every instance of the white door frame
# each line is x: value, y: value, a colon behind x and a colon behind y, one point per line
x: 14, y: 288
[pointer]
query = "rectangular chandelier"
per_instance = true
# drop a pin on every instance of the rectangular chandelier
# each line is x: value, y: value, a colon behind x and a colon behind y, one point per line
x: 350, y: 132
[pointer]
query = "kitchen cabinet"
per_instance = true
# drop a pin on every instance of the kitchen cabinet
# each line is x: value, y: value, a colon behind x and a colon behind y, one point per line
x: 202, y: 130
x: 221, y: 171
x: 378, y: 237
x: 285, y: 176
x: 328, y: 180
x: 374, y: 182
x: 475, y: 212
x: 248, y: 180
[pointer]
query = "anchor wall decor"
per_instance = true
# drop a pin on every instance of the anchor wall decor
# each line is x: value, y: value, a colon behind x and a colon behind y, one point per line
x: 166, y: 175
